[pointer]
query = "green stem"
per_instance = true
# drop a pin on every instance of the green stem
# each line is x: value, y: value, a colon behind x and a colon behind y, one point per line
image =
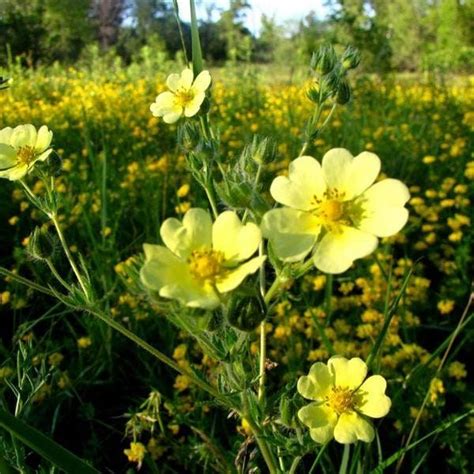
x: 328, y: 290
x: 159, y: 355
x: 57, y: 275
x: 345, y: 459
x: 54, y: 219
x: 262, y: 444
x: 318, y: 458
x: 24, y: 281
x: 438, y: 370
x: 263, y: 334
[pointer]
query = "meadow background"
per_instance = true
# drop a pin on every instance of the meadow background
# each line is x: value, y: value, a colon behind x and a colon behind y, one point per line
x: 90, y: 70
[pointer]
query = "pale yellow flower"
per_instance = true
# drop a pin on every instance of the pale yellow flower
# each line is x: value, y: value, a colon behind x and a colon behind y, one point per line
x: 184, y: 96
x: 334, y: 209
x: 201, y: 259
x: 342, y: 401
x: 21, y: 147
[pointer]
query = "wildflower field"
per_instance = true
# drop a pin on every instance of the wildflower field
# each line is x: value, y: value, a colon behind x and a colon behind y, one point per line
x: 118, y: 174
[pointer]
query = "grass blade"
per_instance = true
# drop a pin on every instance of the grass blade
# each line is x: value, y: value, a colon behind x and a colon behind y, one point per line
x: 195, y: 41
x: 44, y: 446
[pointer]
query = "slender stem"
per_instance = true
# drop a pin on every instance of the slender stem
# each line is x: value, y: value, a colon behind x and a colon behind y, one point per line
x: 263, y: 358
x: 318, y: 458
x: 262, y: 444
x: 272, y: 290
x: 159, y: 355
x: 69, y: 256
x: 345, y: 459
x: 212, y: 201
x: 263, y: 334
x: 24, y: 281
x: 328, y: 290
x: 438, y: 370
x: 58, y: 277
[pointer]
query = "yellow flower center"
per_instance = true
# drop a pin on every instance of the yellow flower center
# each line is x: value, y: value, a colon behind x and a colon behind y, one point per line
x: 340, y: 399
x: 206, y: 265
x: 331, y: 210
x: 183, y: 97
x: 25, y: 155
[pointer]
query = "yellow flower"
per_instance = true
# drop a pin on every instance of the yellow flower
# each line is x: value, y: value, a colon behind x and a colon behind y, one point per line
x: 184, y: 96
x: 338, y: 203
x: 201, y: 260
x: 21, y: 147
x: 342, y: 401
x: 84, y: 342
x: 135, y: 453
x: 445, y: 306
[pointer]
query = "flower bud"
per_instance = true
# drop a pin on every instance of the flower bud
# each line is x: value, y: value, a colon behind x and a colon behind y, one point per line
x: 246, y: 312
x: 343, y: 93
x: 324, y: 60
x: 350, y: 58
x: 287, y: 412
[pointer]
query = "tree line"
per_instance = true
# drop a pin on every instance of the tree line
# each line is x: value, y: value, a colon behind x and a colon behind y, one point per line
x: 392, y: 35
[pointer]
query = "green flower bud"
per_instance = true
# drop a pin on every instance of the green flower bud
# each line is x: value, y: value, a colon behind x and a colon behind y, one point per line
x: 343, y: 93
x: 246, y: 312
x: 287, y: 412
x: 350, y: 58
x: 324, y: 60
x: 41, y: 244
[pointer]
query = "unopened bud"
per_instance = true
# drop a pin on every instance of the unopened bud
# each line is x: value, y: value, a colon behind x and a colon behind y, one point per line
x: 343, y: 93
x: 350, y: 58
x: 324, y: 60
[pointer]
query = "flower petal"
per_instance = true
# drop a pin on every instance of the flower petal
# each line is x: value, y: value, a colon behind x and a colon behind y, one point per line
x: 7, y: 157
x: 347, y: 373
x: 23, y: 135
x: 43, y: 139
x: 384, y: 214
x: 340, y: 247
x: 173, y: 82
x: 237, y: 241
x: 336, y: 164
x: 321, y: 421
x: 193, y: 233
x: 165, y: 272
x: 202, y: 82
x: 192, y: 107
x: 361, y: 173
x: 352, y: 427
x: 372, y: 399
x: 5, y: 135
x: 292, y: 233
x: 164, y: 103
x: 233, y: 278
x: 17, y: 172
x: 304, y: 183
x: 317, y: 383
x: 173, y: 115
x: 186, y: 79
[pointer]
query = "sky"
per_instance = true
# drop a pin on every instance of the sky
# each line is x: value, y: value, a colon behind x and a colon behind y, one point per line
x: 281, y: 10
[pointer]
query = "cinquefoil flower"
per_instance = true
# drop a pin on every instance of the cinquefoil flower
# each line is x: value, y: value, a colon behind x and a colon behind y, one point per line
x: 336, y: 202
x: 184, y: 96
x: 21, y: 147
x: 201, y: 260
x: 342, y: 401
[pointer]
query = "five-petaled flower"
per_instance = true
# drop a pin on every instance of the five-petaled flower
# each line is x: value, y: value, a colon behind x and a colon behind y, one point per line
x: 201, y: 259
x: 338, y: 203
x: 21, y: 147
x: 184, y: 96
x: 342, y: 401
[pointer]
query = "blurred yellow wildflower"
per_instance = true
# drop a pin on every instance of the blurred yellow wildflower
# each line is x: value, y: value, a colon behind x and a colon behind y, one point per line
x: 201, y: 260
x: 135, y: 453
x: 342, y: 400
x: 21, y: 147
x: 184, y: 97
x: 84, y: 342
x: 445, y: 306
x: 338, y: 202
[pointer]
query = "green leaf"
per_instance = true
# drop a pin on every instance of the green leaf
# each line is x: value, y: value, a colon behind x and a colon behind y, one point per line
x: 195, y: 42
x: 44, y: 446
